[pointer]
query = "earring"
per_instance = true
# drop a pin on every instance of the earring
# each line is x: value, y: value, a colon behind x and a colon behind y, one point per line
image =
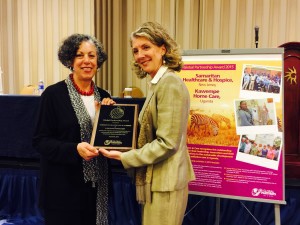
x: 164, y: 61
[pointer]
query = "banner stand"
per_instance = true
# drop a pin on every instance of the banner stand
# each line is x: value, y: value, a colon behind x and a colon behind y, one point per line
x: 226, y: 85
x: 218, y: 203
x: 1, y: 82
x: 277, y: 214
x: 218, y: 206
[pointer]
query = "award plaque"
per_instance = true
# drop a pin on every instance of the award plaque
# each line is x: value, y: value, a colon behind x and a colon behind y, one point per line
x: 115, y: 127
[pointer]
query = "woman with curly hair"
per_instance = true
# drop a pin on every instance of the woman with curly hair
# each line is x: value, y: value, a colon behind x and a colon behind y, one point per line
x: 162, y: 162
x: 74, y: 178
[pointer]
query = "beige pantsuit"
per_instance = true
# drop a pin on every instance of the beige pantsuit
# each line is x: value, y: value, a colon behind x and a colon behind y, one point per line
x: 167, y: 208
x: 169, y: 103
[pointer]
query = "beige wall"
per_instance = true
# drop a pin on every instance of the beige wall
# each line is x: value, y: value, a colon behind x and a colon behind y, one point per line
x: 31, y: 30
x: 30, y: 34
x: 195, y: 24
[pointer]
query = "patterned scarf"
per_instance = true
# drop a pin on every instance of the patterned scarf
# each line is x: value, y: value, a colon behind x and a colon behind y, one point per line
x: 143, y: 175
x: 95, y: 170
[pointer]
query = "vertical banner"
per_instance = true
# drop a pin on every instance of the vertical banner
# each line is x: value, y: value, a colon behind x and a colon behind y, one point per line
x: 1, y: 82
x: 235, y: 135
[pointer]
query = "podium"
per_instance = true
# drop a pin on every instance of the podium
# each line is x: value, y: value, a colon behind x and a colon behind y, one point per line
x: 291, y: 109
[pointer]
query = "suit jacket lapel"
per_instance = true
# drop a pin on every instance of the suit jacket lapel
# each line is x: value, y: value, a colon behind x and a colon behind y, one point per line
x: 149, y: 96
x: 147, y: 101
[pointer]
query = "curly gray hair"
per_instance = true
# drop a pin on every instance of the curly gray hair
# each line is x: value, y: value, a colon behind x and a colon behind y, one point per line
x: 155, y: 33
x: 69, y: 47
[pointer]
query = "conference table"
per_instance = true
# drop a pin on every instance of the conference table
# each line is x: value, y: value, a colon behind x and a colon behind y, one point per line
x: 19, y: 181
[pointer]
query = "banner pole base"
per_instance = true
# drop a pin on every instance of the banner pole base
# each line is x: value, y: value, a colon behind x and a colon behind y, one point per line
x: 217, y: 221
x: 277, y: 214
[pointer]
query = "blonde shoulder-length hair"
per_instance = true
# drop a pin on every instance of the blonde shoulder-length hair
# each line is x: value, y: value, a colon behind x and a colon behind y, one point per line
x: 157, y: 35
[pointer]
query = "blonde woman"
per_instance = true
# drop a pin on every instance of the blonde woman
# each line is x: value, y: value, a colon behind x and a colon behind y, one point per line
x: 162, y: 161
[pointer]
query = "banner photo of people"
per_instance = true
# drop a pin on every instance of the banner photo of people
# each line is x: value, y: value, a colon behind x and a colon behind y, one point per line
x: 235, y: 130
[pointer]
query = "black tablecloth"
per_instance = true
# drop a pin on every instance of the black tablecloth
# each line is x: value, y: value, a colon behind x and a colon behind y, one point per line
x: 17, y: 118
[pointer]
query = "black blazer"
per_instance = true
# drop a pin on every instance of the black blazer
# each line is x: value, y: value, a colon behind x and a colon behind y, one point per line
x: 56, y: 137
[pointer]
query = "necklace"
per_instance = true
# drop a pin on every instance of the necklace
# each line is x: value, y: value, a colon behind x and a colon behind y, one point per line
x: 81, y: 92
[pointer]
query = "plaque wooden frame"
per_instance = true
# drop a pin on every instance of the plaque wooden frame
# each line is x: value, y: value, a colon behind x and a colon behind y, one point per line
x: 115, y: 127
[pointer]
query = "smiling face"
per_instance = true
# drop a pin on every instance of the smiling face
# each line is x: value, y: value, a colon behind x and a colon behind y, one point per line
x: 85, y: 61
x: 147, y: 55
